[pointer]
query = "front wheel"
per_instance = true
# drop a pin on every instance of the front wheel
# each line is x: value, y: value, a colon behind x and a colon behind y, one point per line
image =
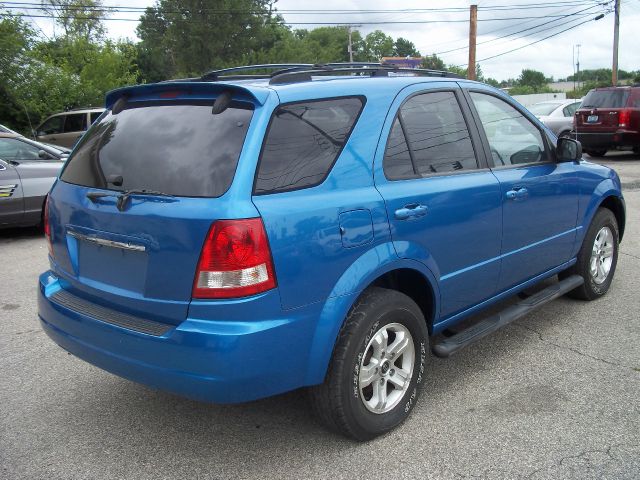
x: 378, y: 362
x: 597, y: 258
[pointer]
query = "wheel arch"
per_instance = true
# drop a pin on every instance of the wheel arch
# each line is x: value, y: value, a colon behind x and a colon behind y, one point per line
x: 616, y: 205
x: 380, y: 266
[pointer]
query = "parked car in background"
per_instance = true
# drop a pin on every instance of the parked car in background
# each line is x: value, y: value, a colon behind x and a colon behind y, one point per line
x: 27, y: 171
x: 66, y: 128
x: 609, y: 118
x: 556, y: 115
x: 231, y: 239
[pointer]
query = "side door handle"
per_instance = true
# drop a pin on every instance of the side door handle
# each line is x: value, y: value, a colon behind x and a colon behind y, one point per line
x: 413, y: 210
x: 517, y: 193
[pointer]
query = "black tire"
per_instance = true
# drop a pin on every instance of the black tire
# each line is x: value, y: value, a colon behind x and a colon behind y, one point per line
x: 591, y: 289
x: 565, y: 134
x: 599, y: 152
x: 339, y: 402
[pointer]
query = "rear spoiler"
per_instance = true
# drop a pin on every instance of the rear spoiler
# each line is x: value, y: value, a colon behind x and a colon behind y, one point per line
x: 190, y: 90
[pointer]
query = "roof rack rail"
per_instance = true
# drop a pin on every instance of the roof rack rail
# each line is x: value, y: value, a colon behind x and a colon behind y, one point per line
x: 373, y: 70
x: 224, y: 72
x: 302, y: 72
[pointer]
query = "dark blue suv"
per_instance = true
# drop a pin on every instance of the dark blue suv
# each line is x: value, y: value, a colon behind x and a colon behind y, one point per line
x: 238, y: 235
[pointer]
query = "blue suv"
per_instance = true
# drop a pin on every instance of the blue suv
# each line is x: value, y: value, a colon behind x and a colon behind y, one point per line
x: 239, y: 235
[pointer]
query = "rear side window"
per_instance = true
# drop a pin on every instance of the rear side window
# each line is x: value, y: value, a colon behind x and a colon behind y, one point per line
x: 428, y: 136
x: 75, y: 122
x: 179, y: 149
x: 303, y: 142
x: 94, y: 116
x: 606, y: 99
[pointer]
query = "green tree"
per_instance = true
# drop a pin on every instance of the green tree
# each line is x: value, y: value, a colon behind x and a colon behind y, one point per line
x: 532, y: 78
x: 190, y: 37
x: 377, y: 45
x: 79, y: 18
x: 433, y: 62
x: 404, y: 48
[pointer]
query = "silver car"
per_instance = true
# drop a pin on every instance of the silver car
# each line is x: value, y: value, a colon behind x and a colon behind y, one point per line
x: 557, y: 115
x: 27, y: 171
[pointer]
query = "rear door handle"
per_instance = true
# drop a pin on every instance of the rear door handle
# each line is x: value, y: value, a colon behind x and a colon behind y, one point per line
x: 413, y: 210
x: 517, y: 193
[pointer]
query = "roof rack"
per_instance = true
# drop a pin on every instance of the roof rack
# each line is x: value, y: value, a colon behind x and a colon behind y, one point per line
x: 303, y: 72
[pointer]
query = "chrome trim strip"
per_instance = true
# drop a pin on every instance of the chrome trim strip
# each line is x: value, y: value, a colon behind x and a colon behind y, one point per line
x: 107, y: 243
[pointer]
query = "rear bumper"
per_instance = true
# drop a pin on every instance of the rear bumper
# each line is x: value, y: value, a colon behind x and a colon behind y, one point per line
x: 607, y: 140
x: 222, y: 361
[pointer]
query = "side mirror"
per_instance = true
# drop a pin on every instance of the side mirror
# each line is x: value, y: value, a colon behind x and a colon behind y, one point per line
x: 43, y: 155
x: 568, y: 150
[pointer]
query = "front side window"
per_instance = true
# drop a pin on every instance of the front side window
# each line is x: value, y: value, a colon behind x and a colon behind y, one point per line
x: 51, y: 126
x: 175, y: 148
x: 429, y: 136
x: 513, y: 139
x: 303, y: 142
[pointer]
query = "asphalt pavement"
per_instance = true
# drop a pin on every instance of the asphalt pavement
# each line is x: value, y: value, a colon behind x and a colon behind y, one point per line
x: 555, y: 395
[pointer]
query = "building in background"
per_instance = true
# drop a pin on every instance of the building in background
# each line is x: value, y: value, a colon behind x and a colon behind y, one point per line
x: 403, y: 62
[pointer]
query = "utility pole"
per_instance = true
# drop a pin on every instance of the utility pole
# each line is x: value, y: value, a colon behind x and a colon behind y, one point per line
x: 616, y: 38
x: 350, y: 45
x: 473, y: 30
x: 578, y: 63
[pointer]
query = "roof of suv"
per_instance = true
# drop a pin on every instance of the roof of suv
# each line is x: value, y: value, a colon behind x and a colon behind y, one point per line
x: 291, y: 82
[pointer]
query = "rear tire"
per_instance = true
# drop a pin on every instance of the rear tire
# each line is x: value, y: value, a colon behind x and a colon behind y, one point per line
x: 597, y: 152
x: 359, y: 399
x: 597, y: 258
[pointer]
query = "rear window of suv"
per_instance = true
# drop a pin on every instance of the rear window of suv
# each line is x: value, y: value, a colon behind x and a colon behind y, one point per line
x: 178, y: 149
x: 606, y: 99
x: 303, y: 142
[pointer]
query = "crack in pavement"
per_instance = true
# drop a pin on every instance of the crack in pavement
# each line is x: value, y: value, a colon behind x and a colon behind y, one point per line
x: 571, y: 349
x: 630, y: 255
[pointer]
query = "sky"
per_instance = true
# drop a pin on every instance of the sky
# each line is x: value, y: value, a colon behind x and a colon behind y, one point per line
x: 438, y: 32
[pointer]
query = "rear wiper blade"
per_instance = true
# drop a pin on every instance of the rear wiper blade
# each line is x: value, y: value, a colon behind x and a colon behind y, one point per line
x: 124, y: 195
x: 122, y: 199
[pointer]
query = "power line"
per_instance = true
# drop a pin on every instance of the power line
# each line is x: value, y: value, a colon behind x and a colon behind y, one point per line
x: 124, y: 8
x: 579, y: 13
x: 538, y: 41
x: 391, y: 22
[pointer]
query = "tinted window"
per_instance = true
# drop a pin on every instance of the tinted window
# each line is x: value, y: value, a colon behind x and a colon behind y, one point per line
x: 397, y: 160
x: 303, y: 142
x: 606, y: 99
x: 437, y: 135
x: 75, y: 122
x: 177, y: 149
x: 15, y: 150
x: 94, y: 116
x: 513, y: 139
x: 51, y: 126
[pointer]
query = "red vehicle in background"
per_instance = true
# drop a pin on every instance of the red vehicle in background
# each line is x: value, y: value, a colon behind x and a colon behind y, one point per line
x: 608, y: 118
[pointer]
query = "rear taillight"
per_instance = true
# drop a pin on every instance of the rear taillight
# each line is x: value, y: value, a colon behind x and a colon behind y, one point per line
x: 46, y: 226
x: 624, y: 117
x: 235, y: 261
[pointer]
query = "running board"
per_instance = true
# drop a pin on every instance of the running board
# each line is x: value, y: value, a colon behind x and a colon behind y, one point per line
x: 481, y: 329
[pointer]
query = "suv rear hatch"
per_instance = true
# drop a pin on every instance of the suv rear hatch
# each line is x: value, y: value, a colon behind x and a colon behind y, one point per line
x: 602, y: 111
x: 138, y: 196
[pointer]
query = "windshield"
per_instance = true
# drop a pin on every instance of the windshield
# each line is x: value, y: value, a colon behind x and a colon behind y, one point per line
x: 605, y: 99
x: 540, y: 109
x: 178, y: 149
